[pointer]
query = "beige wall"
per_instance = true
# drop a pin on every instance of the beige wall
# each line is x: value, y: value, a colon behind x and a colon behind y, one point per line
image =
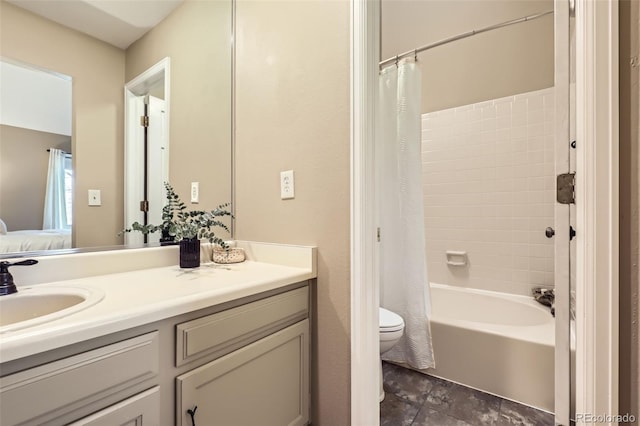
x: 97, y: 70
x: 19, y: 209
x: 492, y: 65
x: 293, y: 113
x: 196, y: 36
x: 629, y: 208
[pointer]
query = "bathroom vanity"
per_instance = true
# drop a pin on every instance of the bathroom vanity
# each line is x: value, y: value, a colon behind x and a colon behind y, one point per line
x: 223, y: 344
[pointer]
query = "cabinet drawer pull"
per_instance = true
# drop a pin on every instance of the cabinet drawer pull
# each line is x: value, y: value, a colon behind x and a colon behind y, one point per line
x: 192, y: 413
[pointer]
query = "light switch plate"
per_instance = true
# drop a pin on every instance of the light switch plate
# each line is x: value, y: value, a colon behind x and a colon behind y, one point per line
x: 195, y: 192
x: 94, y: 197
x: 287, y: 185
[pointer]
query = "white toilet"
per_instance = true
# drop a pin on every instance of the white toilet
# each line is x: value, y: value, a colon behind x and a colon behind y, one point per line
x: 391, y: 330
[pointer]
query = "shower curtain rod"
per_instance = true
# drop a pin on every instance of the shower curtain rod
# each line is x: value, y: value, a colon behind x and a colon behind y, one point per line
x: 64, y: 152
x: 415, y: 52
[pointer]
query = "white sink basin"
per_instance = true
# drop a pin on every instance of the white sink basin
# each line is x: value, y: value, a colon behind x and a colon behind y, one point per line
x: 35, y: 305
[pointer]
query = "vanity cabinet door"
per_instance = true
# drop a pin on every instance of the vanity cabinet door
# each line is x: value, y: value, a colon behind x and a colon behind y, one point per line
x: 139, y: 410
x: 265, y: 383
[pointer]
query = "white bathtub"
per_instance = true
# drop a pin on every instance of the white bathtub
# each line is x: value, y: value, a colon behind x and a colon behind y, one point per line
x: 496, y: 342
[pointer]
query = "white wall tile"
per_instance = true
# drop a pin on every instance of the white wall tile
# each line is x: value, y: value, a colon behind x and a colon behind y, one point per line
x: 474, y: 115
x: 489, y: 184
x: 503, y: 122
x: 519, y: 120
x: 534, y: 130
x: 488, y: 111
x: 519, y: 106
x: 535, y: 100
x: 503, y: 109
x: 535, y: 117
x: 518, y: 132
x: 549, y: 114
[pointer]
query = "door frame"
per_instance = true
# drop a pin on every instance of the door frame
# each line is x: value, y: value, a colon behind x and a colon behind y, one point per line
x: 597, y: 209
x: 365, y: 290
x: 597, y: 200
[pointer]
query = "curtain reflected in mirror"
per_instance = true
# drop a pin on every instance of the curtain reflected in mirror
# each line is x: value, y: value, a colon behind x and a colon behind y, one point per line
x: 58, y: 196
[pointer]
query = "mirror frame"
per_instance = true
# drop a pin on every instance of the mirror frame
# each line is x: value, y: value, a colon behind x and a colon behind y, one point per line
x: 41, y: 253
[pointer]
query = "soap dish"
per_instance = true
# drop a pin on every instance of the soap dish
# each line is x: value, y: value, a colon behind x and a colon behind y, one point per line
x: 232, y: 255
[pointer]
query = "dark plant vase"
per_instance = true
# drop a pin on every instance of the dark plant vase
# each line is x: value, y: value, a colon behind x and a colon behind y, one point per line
x: 166, y: 239
x: 190, y: 253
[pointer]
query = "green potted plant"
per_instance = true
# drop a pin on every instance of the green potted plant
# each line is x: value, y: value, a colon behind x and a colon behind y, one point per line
x: 187, y: 227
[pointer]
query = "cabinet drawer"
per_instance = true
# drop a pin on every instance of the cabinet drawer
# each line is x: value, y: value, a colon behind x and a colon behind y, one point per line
x: 43, y: 394
x: 239, y: 326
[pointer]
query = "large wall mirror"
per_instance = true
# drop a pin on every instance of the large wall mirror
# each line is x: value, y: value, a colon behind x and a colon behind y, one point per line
x: 97, y: 48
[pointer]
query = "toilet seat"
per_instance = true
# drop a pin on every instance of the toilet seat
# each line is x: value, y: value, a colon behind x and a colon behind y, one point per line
x: 391, y: 326
x: 390, y: 321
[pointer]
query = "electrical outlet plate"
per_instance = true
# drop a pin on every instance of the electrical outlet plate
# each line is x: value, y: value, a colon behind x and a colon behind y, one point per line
x: 195, y: 192
x: 287, y: 185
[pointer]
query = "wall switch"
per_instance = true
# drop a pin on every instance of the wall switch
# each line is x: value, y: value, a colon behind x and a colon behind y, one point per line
x: 287, y: 185
x: 195, y: 192
x: 94, y: 197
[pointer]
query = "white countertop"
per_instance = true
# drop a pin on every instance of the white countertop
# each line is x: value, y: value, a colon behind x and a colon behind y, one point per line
x: 144, y: 296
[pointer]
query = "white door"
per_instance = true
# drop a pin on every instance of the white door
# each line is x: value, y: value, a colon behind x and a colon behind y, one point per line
x: 563, y: 211
x: 147, y: 164
x: 134, y: 167
x: 157, y: 162
x: 572, y: 215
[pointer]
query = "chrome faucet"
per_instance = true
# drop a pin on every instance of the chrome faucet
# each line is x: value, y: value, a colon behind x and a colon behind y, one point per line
x: 545, y: 296
x: 6, y: 279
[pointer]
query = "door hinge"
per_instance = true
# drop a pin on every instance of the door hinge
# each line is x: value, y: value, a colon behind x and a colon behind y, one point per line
x: 378, y: 234
x: 565, y: 188
x: 144, y: 206
x: 144, y: 121
x: 572, y: 232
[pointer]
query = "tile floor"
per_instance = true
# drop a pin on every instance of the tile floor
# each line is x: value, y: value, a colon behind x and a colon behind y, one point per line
x: 415, y: 399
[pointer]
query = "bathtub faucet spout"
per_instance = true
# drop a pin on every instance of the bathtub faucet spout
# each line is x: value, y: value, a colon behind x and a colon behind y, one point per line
x: 545, y: 296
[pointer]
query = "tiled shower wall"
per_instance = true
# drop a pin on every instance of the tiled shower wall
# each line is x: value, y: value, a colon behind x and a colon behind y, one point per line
x: 489, y: 191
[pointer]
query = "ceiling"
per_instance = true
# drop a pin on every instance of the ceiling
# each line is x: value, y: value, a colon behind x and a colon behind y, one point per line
x: 117, y: 22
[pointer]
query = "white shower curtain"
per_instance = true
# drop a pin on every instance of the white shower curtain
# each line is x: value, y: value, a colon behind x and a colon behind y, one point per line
x: 404, y: 282
x: 55, y: 206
